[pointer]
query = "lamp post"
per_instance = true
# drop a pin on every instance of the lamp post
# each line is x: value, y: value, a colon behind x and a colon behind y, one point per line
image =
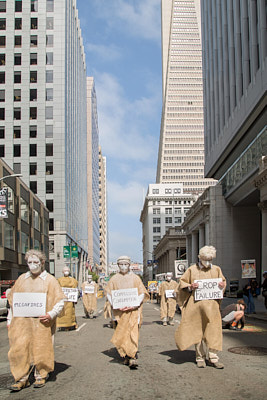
x: 10, y: 176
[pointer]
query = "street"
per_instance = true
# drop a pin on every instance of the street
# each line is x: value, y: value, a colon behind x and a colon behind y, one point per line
x: 88, y: 366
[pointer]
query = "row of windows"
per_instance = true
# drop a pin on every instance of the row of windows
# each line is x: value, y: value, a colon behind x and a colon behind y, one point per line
x: 32, y: 150
x: 33, y: 23
x: 190, y: 133
x: 188, y: 164
x: 180, y: 145
x: 176, y: 158
x: 167, y: 191
x: 49, y: 187
x: 32, y: 97
x: 188, y: 171
x: 49, y: 113
x: 198, y: 139
x: 33, y: 61
x: 33, y: 41
x: 33, y: 6
x: 186, y: 183
x: 32, y: 131
x: 183, y: 151
x: 184, y: 126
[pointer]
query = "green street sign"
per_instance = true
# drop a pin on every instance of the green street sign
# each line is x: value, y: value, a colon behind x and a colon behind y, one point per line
x: 66, y: 251
x: 74, y: 251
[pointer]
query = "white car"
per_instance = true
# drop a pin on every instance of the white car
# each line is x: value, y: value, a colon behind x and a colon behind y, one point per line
x: 3, y: 307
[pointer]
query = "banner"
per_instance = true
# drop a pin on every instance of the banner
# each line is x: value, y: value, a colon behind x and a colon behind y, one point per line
x: 89, y: 289
x: 208, y: 289
x: 71, y: 294
x: 152, y: 286
x: 248, y: 268
x: 4, y: 202
x: 180, y: 266
x: 29, y: 304
x: 169, y: 293
x: 124, y: 298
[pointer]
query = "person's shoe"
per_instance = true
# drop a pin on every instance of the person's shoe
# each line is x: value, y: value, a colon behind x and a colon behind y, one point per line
x: 133, y: 363
x: 171, y: 322
x: 126, y: 360
x: 114, y: 324
x: 164, y: 323
x: 233, y: 328
x: 40, y: 382
x: 17, y: 386
x: 217, y: 365
x: 201, y: 364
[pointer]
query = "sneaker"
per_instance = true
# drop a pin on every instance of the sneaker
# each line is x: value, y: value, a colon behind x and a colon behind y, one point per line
x: 233, y: 328
x: 201, y: 364
x: 164, y: 323
x: 17, y: 386
x: 133, y: 363
x: 40, y: 382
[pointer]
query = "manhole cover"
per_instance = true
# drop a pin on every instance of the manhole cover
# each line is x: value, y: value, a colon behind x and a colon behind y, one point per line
x: 249, y: 351
x: 6, y: 381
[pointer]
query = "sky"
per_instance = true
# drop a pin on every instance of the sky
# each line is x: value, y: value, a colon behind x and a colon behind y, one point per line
x: 122, y: 42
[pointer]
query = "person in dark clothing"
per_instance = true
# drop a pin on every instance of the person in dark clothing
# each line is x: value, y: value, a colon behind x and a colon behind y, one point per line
x: 248, y: 298
x: 233, y: 314
x: 264, y: 288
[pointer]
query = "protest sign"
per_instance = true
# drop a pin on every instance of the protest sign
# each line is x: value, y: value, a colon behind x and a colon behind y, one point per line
x: 248, y: 269
x: 208, y: 289
x: 124, y: 298
x: 71, y: 294
x: 169, y: 293
x: 152, y: 286
x: 29, y: 304
x: 180, y: 266
x: 89, y: 289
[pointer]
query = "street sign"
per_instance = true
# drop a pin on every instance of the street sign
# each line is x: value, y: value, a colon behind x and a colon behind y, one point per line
x: 66, y: 251
x: 74, y: 251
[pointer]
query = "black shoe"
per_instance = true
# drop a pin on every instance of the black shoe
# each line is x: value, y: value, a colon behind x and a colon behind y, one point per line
x: 233, y: 328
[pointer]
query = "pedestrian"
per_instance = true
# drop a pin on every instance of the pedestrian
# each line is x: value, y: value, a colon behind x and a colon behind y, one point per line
x: 264, y: 288
x: 67, y: 321
x: 129, y: 319
x: 201, y: 320
x: 233, y: 314
x: 168, y: 292
x: 248, y: 298
x: 89, y: 290
x: 31, y: 339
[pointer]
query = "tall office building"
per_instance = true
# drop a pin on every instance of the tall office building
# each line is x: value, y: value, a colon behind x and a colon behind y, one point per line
x: 92, y: 177
x: 181, y: 147
x: 103, y: 214
x: 43, y: 115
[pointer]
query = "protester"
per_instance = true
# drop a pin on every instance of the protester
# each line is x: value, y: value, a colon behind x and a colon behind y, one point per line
x: 168, y: 292
x: 264, y: 288
x: 31, y: 339
x: 233, y: 314
x: 129, y: 319
x: 67, y: 321
x: 248, y: 298
x: 89, y: 290
x: 201, y: 320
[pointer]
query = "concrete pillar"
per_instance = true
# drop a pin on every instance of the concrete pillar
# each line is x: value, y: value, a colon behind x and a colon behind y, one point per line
x: 194, y: 246
x: 188, y: 249
x: 207, y: 233
x: 172, y: 258
x: 263, y: 208
x: 201, y: 238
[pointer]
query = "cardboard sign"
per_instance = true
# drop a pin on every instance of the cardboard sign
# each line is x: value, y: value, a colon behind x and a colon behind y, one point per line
x: 29, y: 304
x: 169, y: 293
x: 124, y: 298
x: 180, y: 266
x: 89, y: 289
x: 71, y: 294
x: 208, y: 289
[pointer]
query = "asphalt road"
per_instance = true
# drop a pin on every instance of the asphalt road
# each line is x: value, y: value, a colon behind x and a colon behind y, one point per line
x: 88, y: 366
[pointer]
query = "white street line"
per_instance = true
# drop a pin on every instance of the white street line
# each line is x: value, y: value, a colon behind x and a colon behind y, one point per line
x: 100, y: 311
x: 157, y: 309
x: 80, y: 327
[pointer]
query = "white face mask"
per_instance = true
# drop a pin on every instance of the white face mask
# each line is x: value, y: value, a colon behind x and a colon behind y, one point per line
x: 89, y: 279
x: 206, y: 263
x: 66, y: 273
x: 124, y: 268
x: 34, y: 265
x: 168, y: 278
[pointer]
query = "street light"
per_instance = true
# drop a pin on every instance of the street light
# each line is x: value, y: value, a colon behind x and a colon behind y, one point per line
x: 10, y: 176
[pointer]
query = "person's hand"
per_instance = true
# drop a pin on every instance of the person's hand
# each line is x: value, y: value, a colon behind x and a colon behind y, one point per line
x: 128, y: 308
x: 45, y: 318
x: 193, y: 286
x: 221, y: 285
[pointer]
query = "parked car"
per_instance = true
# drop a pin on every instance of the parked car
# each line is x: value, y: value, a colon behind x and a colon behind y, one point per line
x: 3, y: 305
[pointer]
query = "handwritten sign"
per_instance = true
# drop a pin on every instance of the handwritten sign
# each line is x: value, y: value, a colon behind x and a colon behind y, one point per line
x: 208, y: 289
x: 169, y: 294
x: 29, y: 304
x: 124, y: 298
x: 71, y: 294
x: 180, y: 266
x: 89, y: 289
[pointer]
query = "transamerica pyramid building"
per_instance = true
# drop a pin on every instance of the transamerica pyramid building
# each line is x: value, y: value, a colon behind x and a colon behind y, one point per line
x: 181, y: 147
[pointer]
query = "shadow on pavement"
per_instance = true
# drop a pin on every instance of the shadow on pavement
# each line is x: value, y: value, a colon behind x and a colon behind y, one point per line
x: 112, y: 353
x: 180, y: 357
x: 59, y: 368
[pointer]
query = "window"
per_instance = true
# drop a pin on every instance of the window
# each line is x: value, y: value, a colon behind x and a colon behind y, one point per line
x: 156, y: 211
x: 2, y: 114
x: 177, y: 211
x: 49, y: 168
x: 9, y: 236
x: 2, y: 6
x: 156, y: 229
x: 17, y: 113
x: 24, y: 210
x: 49, y: 40
x: 16, y: 150
x: 33, y: 150
x: 177, y: 190
x: 2, y: 95
x: 155, y: 191
x: 49, y: 131
x: 17, y: 94
x: 36, y: 220
x: 33, y: 186
x: 17, y: 41
x: 156, y: 220
x: 49, y: 23
x: 49, y: 149
x: 17, y: 132
x: 178, y: 220
x: 33, y: 94
x: 49, y: 77
x: 33, y: 131
x: 34, y: 40
x: 33, y: 59
x: 50, y: 205
x: 168, y: 220
x: 33, y: 112
x: 33, y: 76
x: 2, y: 41
x: 2, y: 24
x: 2, y: 132
x: 17, y: 168
x: 49, y: 58
x: 2, y: 77
x: 49, y: 187
x: 49, y: 94
x: 18, y: 23
x: 2, y: 150
x: 24, y: 242
x: 168, y: 210
x: 34, y: 23
x: 34, y: 5
x: 168, y: 191
x: 51, y: 224
x: 2, y: 59
x: 17, y: 76
x: 49, y: 5
x: 18, y: 5
x: 17, y: 59
x: 49, y: 112
x: 33, y: 168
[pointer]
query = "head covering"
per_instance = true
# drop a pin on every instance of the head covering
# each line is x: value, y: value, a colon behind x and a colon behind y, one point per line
x: 65, y: 269
x: 124, y: 259
x: 169, y: 273
x: 207, y: 253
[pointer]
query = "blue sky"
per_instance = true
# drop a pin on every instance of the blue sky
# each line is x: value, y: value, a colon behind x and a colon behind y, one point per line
x: 122, y: 41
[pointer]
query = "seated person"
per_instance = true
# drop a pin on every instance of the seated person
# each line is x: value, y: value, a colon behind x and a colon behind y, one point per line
x: 233, y: 314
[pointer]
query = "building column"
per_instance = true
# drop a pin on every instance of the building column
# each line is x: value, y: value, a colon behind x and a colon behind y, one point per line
x: 201, y: 239
x: 194, y: 246
x: 207, y: 233
x: 172, y: 258
x: 188, y: 249
x: 263, y: 208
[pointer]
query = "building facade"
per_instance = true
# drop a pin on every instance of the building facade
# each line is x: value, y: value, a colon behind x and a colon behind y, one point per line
x: 103, y: 242
x: 181, y: 147
x: 43, y: 115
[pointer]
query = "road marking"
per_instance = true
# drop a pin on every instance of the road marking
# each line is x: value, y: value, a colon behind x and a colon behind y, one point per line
x: 100, y: 311
x: 77, y: 330
x: 157, y: 309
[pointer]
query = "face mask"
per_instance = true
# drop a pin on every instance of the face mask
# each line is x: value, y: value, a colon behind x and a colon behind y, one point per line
x: 168, y: 278
x: 66, y: 273
x: 34, y: 268
x: 206, y: 263
x: 124, y: 268
x: 89, y: 280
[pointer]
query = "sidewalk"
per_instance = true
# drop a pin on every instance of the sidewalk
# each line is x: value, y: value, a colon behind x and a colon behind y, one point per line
x: 261, y: 312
